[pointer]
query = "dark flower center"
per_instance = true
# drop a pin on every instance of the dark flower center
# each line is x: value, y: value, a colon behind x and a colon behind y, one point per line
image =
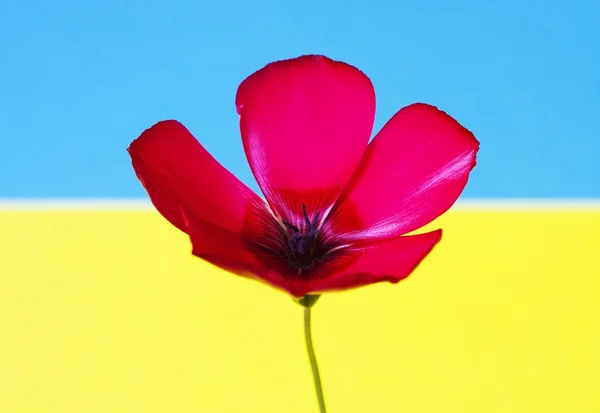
x: 303, y: 247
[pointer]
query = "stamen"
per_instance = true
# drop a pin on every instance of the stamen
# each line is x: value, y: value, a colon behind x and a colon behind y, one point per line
x: 293, y: 242
x: 316, y: 220
x: 303, y: 247
x: 306, y: 219
x: 290, y: 226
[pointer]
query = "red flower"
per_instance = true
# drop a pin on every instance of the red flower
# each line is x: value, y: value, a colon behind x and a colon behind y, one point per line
x: 337, y: 207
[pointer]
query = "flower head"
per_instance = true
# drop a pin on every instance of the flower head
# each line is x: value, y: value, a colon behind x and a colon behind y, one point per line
x: 336, y: 207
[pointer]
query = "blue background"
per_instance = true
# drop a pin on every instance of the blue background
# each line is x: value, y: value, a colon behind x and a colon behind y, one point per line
x: 80, y: 80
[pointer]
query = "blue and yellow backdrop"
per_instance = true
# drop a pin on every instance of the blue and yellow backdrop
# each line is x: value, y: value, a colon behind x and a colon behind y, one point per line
x: 103, y: 308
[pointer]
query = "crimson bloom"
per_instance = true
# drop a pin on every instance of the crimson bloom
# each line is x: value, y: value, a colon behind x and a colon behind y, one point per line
x: 337, y: 207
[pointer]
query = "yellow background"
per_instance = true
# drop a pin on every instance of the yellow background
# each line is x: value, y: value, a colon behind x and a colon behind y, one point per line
x: 107, y: 311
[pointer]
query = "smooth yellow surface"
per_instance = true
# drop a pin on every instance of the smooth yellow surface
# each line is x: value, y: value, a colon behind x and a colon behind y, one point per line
x: 108, y: 312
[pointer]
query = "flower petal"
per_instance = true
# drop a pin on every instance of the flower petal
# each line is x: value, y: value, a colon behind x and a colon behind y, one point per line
x: 229, y: 251
x: 177, y: 171
x: 413, y: 171
x: 391, y: 260
x: 305, y: 124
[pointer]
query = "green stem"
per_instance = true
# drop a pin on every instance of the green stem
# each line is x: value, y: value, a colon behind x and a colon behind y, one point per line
x: 313, y: 360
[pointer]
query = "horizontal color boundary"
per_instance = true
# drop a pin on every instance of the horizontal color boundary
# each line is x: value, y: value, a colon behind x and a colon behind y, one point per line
x: 141, y: 204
